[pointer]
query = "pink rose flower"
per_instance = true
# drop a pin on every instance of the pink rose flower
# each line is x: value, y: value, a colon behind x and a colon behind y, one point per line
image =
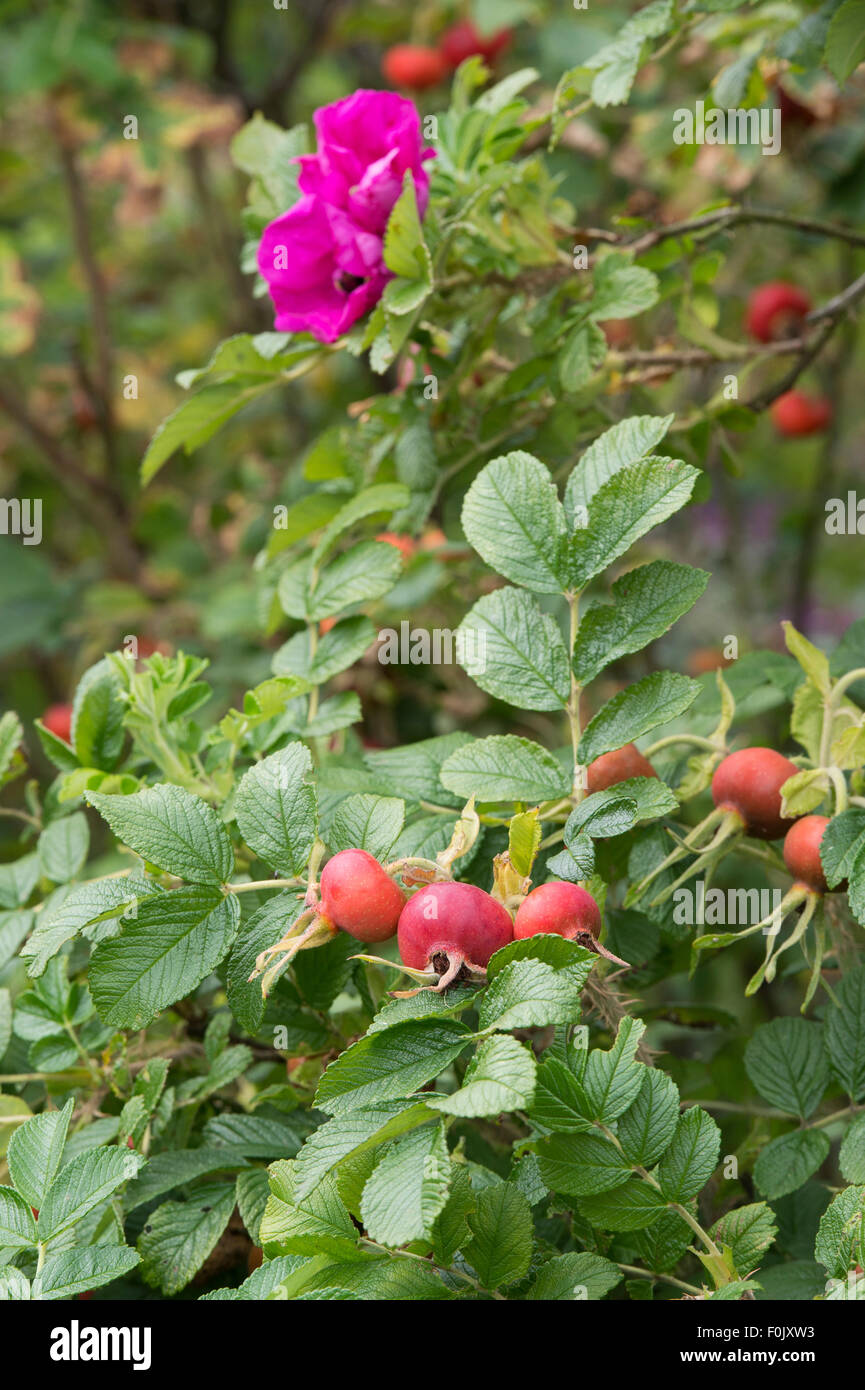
x: 323, y: 259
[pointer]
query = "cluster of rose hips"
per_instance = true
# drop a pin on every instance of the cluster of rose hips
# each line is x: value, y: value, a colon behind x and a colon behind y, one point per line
x: 777, y: 310
x: 451, y: 930
x: 415, y: 67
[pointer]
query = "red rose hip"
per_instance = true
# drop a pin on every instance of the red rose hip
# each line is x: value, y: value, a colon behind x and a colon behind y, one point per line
x: 358, y: 896
x: 463, y: 41
x: 749, y: 782
x: 563, y: 908
x: 448, y: 925
x: 794, y: 414
x: 776, y: 310
x: 802, y: 852
x: 58, y: 718
x: 618, y: 766
x: 412, y: 66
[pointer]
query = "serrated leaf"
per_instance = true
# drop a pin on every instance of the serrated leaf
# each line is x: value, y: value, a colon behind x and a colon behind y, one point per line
x: 748, y: 1231
x: 72, y: 1272
x: 17, y: 1227
x: 499, y: 1077
x: 514, y: 519
x: 626, y: 506
x: 97, y: 733
x: 627, y: 1208
x: 504, y: 768
x: 646, y: 1128
x: 263, y: 929
x: 531, y: 994
x: 171, y: 828
x: 646, y: 603
x: 35, y: 1150
x: 390, y: 1064
x: 161, y: 955
x: 784, y: 1059
x: 179, y: 1236
x: 845, y: 1033
x: 363, y: 821
x: 650, y: 702
x: 275, y: 807
x: 63, y: 847
x: 840, y: 1236
x: 82, y: 1184
x: 515, y: 652
x: 353, y: 1133
x: 576, y: 1275
x: 408, y: 1187
x: 851, y: 1159
x: 690, y: 1160
x: 612, y: 1080
x: 618, y: 447
x: 317, y: 1223
x: 501, y: 1244
x: 845, y: 40
x: 789, y: 1161
x: 581, y: 1164
x: 82, y: 905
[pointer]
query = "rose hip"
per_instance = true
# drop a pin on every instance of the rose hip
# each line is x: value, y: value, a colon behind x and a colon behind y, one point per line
x: 358, y: 896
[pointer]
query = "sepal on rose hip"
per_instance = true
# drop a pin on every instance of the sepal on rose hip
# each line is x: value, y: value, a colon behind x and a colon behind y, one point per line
x: 452, y: 929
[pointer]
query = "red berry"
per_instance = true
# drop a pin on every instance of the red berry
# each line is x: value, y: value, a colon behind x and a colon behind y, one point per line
x: 776, y: 310
x: 802, y: 852
x: 563, y: 908
x: 750, y: 783
x: 617, y: 766
x: 412, y: 66
x: 795, y: 414
x: 58, y: 718
x: 448, y: 925
x: 357, y: 895
x: 463, y: 41
x: 404, y: 544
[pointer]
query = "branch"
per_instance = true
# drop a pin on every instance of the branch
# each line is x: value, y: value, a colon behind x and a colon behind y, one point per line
x: 722, y: 218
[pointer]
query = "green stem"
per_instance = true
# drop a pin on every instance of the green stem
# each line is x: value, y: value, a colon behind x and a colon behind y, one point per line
x: 664, y: 1278
x: 573, y: 707
x: 839, y: 782
x: 264, y: 883
x: 693, y: 739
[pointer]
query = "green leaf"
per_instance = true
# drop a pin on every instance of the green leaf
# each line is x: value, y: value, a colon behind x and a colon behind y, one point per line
x: 515, y: 652
x: 18, y: 879
x: 845, y: 40
x: 814, y: 663
x: 560, y: 1103
x: 82, y: 905
x: 581, y: 1164
x: 276, y: 810
x: 842, y: 1232
x: 627, y: 1208
x: 646, y: 798
x: 176, y: 1167
x: 576, y: 1275
x: 267, y: 153
x: 845, y: 1033
x: 499, y: 1077
x: 72, y: 1272
x: 784, y: 1059
x: 412, y: 770
x: 316, y: 1223
x: 35, y: 1150
x: 17, y: 1227
x: 842, y: 849
x: 171, y: 828
x: 11, y: 737
x: 82, y: 1184
x: 646, y: 603
x: 501, y: 1244
x: 179, y: 1236
x: 263, y: 929
x: 624, y: 508
x: 652, y: 701
x: 617, y: 448
x: 748, y: 1231
x: 198, y: 419
x: 359, y: 575
x: 404, y: 250
x: 646, y: 1128
x: 789, y: 1161
x: 381, y: 499
x: 609, y: 816
x: 338, y: 649
x: 531, y: 994
x: 97, y: 718
x: 612, y: 1080
x: 582, y: 355
x: 451, y: 1229
x: 352, y: 1133
x: 514, y: 519
x: 161, y: 955
x: 63, y: 847
x: 390, y: 1064
x: 851, y: 1159
x: 408, y: 1187
x: 504, y: 768
x: 691, y: 1158
x: 622, y: 290
x: 373, y: 823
